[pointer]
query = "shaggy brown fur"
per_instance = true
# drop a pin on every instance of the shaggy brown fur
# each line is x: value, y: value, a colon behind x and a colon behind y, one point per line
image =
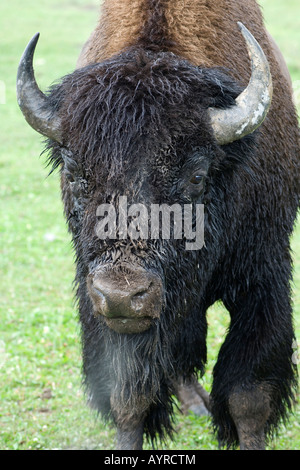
x: 203, y: 31
x: 194, y: 28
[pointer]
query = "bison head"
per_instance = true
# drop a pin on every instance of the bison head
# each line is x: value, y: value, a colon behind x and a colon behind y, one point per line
x: 153, y: 128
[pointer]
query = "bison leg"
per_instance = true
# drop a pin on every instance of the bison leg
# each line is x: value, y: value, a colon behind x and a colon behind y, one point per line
x: 192, y: 397
x: 254, y: 377
x: 250, y: 411
x: 130, y: 439
x: 129, y: 424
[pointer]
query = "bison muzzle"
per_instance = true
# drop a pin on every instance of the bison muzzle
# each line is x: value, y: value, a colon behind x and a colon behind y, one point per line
x: 129, y: 299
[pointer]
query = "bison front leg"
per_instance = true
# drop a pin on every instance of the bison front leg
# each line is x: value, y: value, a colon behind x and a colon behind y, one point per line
x: 254, y: 378
x: 250, y: 410
x: 129, y: 421
x: 130, y: 437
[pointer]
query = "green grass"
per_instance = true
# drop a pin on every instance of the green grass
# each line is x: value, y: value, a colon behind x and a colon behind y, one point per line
x: 41, y: 401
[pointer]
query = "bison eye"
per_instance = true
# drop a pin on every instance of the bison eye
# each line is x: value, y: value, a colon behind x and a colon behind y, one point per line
x: 196, y: 179
x: 70, y: 177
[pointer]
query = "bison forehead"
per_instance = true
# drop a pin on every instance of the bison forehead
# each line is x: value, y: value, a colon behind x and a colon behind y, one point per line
x: 138, y: 104
x: 157, y: 78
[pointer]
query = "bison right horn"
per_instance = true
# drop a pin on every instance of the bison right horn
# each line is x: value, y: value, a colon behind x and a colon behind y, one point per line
x: 33, y: 103
x: 252, y: 105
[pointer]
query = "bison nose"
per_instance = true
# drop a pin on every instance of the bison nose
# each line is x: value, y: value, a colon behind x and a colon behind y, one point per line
x: 117, y: 302
x: 128, y: 299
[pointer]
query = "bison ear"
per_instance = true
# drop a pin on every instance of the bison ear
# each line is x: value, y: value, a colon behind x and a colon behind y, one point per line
x: 252, y: 105
x: 35, y: 106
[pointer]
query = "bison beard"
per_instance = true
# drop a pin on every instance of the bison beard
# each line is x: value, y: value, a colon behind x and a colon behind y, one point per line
x: 130, y: 378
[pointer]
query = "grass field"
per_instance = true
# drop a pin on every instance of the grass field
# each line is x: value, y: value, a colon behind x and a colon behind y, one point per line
x: 41, y: 401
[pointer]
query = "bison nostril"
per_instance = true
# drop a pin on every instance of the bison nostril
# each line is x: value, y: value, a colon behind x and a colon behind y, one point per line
x: 138, y: 299
x: 101, y: 298
x: 99, y: 293
x: 140, y: 294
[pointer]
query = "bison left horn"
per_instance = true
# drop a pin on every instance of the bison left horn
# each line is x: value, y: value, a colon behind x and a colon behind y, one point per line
x: 252, y: 105
x: 35, y: 106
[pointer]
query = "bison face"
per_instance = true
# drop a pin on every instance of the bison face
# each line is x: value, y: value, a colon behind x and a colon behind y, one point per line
x: 147, y: 127
x: 131, y: 132
x: 128, y: 276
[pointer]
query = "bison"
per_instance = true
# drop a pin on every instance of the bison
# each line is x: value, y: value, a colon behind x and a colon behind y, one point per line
x: 178, y: 104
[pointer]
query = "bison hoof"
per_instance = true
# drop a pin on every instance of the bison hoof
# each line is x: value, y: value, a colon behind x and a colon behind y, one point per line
x: 193, y: 398
x: 199, y: 409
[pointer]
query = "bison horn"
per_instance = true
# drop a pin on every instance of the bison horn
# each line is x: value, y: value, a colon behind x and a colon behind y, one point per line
x: 35, y: 106
x: 252, y: 105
